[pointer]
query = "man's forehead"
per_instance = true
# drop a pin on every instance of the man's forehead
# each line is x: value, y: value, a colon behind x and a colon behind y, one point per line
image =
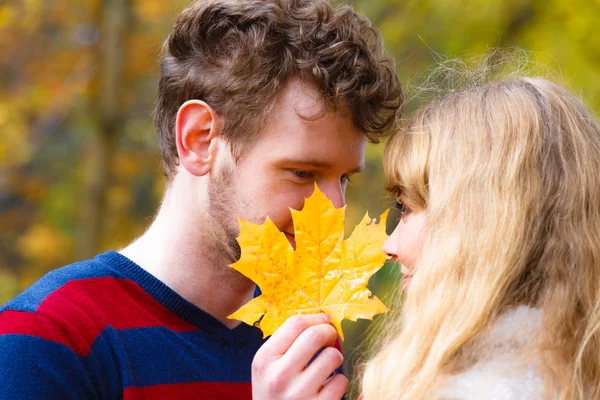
x: 302, y: 97
x: 306, y: 102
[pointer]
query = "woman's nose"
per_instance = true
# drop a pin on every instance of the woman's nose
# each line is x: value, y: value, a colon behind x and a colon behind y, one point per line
x: 390, y: 246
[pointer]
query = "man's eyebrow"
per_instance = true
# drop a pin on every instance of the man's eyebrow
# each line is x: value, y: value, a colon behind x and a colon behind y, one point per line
x: 319, y: 164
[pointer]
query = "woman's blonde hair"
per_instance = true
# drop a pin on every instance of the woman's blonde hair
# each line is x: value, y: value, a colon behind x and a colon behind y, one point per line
x: 508, y: 173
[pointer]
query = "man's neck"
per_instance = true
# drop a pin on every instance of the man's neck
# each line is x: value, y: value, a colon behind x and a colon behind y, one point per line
x: 179, y: 250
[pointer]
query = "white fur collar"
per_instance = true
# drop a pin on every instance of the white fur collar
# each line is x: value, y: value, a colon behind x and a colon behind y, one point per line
x: 505, y: 374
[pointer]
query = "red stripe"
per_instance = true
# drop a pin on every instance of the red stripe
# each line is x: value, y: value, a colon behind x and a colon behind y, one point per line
x: 338, y: 344
x: 76, y: 313
x: 26, y: 323
x: 196, y: 390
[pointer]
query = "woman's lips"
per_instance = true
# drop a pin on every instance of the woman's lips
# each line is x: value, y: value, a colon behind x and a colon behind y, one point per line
x: 406, y: 277
x: 406, y: 280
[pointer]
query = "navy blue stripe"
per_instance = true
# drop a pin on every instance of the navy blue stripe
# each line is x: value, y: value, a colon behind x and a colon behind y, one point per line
x: 53, y: 369
x: 153, y: 356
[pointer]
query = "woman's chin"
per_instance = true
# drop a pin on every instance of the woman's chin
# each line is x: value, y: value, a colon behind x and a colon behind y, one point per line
x: 406, y: 282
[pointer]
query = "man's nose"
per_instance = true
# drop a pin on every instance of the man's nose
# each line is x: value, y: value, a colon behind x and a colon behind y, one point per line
x: 335, y: 193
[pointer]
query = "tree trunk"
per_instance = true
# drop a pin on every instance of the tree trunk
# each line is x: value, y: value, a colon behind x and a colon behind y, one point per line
x: 107, y: 117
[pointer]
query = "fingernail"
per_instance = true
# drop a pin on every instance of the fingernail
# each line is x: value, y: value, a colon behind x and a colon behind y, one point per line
x: 326, y: 318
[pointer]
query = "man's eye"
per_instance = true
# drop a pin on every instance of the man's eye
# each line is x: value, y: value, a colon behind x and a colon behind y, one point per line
x: 304, y: 174
x: 345, y: 179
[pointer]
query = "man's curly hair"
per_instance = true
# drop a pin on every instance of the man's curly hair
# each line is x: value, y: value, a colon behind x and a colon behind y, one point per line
x: 238, y: 55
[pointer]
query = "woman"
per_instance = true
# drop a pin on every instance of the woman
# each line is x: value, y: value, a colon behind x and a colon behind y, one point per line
x: 499, y: 190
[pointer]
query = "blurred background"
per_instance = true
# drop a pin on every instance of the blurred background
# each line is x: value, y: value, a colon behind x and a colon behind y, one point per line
x: 80, y: 168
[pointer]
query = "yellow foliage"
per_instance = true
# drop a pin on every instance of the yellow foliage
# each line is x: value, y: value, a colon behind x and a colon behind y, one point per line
x: 158, y: 188
x: 9, y: 285
x: 7, y: 16
x: 127, y: 164
x: 324, y: 274
x: 14, y: 147
x: 154, y: 11
x: 44, y: 245
x: 33, y: 190
x: 119, y: 198
x: 33, y: 14
x: 25, y: 14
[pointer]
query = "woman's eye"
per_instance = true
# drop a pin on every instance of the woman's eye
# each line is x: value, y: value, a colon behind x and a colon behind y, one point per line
x: 304, y: 174
x: 345, y: 179
x: 404, y: 210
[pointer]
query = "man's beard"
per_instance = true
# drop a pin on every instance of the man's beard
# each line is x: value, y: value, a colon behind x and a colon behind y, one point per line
x: 222, y: 226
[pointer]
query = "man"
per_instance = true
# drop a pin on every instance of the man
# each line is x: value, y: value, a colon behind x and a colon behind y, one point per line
x: 257, y: 100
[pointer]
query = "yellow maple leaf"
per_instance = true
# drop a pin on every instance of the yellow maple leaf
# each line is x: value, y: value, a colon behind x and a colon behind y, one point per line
x: 324, y: 274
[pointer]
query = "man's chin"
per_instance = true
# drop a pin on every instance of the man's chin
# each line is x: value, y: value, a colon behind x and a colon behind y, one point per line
x: 235, y: 249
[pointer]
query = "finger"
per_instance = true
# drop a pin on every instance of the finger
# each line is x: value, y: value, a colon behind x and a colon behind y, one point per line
x: 287, y: 334
x: 334, y: 388
x: 321, y: 368
x: 306, y: 346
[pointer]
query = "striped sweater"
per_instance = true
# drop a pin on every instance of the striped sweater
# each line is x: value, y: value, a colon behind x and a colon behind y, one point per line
x: 107, y: 329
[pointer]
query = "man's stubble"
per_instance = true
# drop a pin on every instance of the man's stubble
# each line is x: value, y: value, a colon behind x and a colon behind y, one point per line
x: 223, y: 206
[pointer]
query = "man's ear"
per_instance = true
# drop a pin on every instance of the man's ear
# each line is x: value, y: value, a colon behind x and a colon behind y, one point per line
x: 195, y: 128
